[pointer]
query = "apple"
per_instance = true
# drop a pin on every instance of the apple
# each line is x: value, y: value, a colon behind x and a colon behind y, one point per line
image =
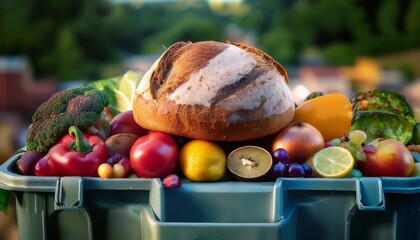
x: 124, y: 123
x: 387, y: 157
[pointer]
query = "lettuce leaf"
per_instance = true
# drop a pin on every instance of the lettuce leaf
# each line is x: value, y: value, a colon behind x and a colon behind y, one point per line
x: 120, y: 90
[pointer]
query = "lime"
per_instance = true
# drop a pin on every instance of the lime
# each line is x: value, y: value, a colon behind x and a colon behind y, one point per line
x: 333, y: 162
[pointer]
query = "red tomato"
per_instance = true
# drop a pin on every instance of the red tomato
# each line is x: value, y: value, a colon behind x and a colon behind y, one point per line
x: 154, y: 155
x: 124, y: 123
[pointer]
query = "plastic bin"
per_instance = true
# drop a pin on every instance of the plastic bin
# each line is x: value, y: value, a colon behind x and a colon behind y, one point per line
x: 94, y: 208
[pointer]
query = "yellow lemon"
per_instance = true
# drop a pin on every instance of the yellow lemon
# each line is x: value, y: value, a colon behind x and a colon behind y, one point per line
x: 333, y: 162
x: 202, y: 160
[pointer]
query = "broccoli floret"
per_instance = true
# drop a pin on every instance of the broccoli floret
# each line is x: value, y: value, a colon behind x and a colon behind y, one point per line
x: 82, y: 107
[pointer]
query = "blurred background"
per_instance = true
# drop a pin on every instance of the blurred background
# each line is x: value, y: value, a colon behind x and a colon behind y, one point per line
x: 325, y: 45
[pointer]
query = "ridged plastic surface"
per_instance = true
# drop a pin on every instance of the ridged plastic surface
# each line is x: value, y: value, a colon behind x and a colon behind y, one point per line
x: 94, y: 208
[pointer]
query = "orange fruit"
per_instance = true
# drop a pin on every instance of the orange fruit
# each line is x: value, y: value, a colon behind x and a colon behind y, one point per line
x: 202, y: 160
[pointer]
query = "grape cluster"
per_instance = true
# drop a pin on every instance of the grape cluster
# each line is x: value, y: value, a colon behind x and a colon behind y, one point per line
x: 354, y: 142
x: 283, y: 168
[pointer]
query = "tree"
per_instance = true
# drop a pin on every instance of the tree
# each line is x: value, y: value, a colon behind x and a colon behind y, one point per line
x: 78, y: 38
x: 388, y: 14
x: 191, y: 27
x: 412, y: 18
x: 47, y: 30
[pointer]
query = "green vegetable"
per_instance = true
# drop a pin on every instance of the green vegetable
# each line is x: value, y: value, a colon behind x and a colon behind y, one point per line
x: 416, y: 135
x: 82, y: 107
x: 383, y: 114
x: 120, y: 90
x: 4, y: 201
x: 314, y: 95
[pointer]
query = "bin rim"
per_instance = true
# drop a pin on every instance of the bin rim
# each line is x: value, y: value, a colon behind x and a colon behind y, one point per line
x: 10, y: 180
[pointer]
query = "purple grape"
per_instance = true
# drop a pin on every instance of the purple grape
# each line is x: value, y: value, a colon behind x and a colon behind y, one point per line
x: 171, y: 181
x: 280, y: 155
x: 296, y: 170
x: 307, y: 169
x: 280, y: 169
x: 116, y: 158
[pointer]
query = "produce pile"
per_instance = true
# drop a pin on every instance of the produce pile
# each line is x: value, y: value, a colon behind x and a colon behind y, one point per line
x: 90, y: 131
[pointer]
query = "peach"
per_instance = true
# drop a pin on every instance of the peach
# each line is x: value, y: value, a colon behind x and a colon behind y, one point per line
x: 387, y: 157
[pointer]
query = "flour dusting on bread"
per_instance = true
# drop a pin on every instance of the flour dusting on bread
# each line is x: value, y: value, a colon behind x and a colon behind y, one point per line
x: 269, y: 92
x: 225, y: 68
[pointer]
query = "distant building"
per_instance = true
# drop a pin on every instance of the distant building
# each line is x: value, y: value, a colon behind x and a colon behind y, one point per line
x: 325, y: 79
x: 15, y: 73
x: 18, y: 90
x: 20, y: 96
x: 391, y: 80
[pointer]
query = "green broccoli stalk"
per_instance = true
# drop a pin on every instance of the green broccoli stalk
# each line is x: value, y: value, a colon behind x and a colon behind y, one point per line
x: 82, y: 107
x: 383, y: 114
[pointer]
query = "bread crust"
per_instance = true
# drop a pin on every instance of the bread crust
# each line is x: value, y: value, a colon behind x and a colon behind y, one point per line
x: 246, y: 100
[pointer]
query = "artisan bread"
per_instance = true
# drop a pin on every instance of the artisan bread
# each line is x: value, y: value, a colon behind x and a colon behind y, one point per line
x: 214, y: 91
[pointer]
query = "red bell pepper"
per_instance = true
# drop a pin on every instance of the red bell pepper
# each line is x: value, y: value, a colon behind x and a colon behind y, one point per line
x: 76, y: 154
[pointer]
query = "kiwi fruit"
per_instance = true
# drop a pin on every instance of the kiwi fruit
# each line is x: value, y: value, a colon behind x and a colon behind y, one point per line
x: 249, y: 163
x: 121, y: 143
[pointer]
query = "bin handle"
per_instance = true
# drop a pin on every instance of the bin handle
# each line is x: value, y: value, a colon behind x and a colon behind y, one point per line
x: 370, y: 194
x: 68, y: 193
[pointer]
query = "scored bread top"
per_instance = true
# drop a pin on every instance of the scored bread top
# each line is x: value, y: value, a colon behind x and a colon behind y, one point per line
x: 214, y: 91
x: 234, y: 77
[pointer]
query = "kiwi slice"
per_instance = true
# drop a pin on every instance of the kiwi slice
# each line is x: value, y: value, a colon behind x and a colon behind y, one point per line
x: 249, y: 163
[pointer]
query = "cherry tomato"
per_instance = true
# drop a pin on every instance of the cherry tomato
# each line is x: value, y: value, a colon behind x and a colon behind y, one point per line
x: 105, y: 170
x: 154, y: 155
x: 119, y: 171
x: 124, y: 123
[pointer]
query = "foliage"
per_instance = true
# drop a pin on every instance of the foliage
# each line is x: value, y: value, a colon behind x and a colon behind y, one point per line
x: 79, y: 38
x: 4, y: 201
x: 343, y: 30
x: 191, y: 27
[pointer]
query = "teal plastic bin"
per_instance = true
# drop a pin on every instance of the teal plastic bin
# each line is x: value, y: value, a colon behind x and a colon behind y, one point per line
x: 289, y: 208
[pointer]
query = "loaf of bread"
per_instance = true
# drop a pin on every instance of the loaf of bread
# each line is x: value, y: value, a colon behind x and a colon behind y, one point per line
x: 214, y: 91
